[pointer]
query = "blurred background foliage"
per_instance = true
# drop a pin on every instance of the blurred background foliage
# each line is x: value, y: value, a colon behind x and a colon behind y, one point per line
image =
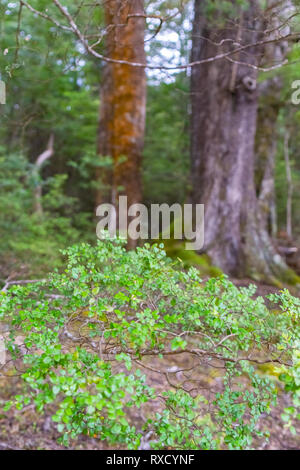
x: 52, y: 88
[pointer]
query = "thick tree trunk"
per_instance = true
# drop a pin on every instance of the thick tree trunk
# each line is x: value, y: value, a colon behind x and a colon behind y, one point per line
x: 123, y: 102
x: 223, y: 129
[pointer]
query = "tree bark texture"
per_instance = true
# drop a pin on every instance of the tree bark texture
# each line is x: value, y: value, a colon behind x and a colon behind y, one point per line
x: 123, y: 104
x: 223, y: 130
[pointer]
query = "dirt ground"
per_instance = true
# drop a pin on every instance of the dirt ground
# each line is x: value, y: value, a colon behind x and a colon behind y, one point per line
x: 26, y: 430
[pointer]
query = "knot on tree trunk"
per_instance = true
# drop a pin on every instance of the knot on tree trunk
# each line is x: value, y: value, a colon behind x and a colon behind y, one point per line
x: 249, y: 83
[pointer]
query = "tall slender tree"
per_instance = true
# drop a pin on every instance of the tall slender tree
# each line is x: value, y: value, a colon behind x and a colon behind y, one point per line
x: 265, y: 151
x: 123, y: 102
x: 223, y: 129
x: 270, y: 102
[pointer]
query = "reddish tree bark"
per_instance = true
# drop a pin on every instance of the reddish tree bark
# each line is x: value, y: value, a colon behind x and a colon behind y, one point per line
x: 123, y: 104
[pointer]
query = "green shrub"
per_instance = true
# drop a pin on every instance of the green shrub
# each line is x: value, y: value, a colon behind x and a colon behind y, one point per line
x: 29, y: 242
x: 125, y: 347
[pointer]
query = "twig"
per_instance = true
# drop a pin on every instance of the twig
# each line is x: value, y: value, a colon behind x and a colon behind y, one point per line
x: 89, y: 49
x: 10, y: 283
x: 38, y: 164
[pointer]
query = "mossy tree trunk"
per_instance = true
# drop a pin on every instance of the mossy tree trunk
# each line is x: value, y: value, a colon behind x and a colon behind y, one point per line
x: 123, y: 104
x: 223, y: 130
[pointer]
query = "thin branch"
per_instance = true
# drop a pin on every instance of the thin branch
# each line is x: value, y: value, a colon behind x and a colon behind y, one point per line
x: 18, y: 32
x: 11, y: 283
x: 38, y: 164
x: 256, y: 67
x: 45, y: 16
x: 89, y: 49
x: 46, y: 154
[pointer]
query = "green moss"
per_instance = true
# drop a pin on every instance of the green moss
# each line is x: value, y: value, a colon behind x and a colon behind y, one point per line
x: 290, y: 277
x: 176, y: 249
x: 284, y: 278
x: 269, y: 370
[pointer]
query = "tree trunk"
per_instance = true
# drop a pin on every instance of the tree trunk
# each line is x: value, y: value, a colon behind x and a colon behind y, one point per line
x: 223, y: 129
x: 289, y: 181
x: 123, y: 103
x: 268, y: 111
x: 38, y: 192
x: 265, y: 152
